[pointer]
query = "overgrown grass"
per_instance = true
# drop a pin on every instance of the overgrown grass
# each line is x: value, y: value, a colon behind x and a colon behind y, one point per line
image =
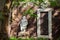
x: 13, y: 38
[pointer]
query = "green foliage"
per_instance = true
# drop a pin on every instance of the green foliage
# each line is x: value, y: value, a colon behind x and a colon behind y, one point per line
x: 30, y: 12
x: 16, y: 2
x: 36, y: 2
x: 54, y: 3
x: 42, y: 38
x: 13, y: 38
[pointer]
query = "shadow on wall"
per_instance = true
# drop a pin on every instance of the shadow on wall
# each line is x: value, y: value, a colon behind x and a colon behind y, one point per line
x: 56, y: 25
